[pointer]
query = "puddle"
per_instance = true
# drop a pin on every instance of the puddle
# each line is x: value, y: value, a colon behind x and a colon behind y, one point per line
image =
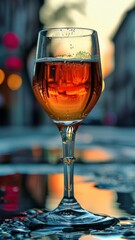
x: 31, y: 179
x: 20, y: 192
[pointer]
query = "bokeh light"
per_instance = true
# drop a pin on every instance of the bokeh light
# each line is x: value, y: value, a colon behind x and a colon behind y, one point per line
x: 14, y: 81
x: 10, y: 40
x: 2, y: 76
x: 14, y: 63
x: 96, y: 154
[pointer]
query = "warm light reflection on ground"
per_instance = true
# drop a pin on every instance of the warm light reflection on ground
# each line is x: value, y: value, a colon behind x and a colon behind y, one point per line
x: 96, y: 154
x: 88, y: 237
x: 90, y: 198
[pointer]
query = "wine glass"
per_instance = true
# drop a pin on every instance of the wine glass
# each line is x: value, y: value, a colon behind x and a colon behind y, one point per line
x: 67, y: 83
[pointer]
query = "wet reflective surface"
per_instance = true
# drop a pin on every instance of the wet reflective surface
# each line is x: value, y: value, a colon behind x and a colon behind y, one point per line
x: 31, y: 182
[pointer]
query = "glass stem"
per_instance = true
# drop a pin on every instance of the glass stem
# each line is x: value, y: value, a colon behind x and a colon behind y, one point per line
x: 68, y: 140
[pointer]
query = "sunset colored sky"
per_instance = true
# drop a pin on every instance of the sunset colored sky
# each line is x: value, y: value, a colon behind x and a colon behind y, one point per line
x: 105, y: 16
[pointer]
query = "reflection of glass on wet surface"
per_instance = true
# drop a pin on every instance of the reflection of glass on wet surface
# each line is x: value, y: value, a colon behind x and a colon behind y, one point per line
x: 85, y: 193
x: 104, y: 182
x: 34, y: 188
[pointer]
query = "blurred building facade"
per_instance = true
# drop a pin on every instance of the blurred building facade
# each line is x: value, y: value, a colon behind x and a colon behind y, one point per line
x: 19, y: 20
x: 119, y: 96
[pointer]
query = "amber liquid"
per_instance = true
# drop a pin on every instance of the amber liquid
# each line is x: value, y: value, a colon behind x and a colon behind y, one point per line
x: 67, y: 90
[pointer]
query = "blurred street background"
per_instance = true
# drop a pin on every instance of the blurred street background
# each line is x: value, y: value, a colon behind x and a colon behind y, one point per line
x: 20, y: 22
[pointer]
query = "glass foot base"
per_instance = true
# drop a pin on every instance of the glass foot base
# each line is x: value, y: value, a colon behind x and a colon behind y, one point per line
x: 74, y: 216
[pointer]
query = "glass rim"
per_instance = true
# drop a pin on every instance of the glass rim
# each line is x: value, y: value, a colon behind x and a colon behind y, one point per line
x: 89, y: 31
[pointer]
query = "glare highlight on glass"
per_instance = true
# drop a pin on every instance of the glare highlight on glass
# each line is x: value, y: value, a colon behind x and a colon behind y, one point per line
x: 14, y: 81
x: 103, y: 85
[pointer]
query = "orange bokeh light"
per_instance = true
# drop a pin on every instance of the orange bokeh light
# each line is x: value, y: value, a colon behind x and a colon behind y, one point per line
x: 96, y: 154
x: 2, y: 76
x: 14, y: 81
